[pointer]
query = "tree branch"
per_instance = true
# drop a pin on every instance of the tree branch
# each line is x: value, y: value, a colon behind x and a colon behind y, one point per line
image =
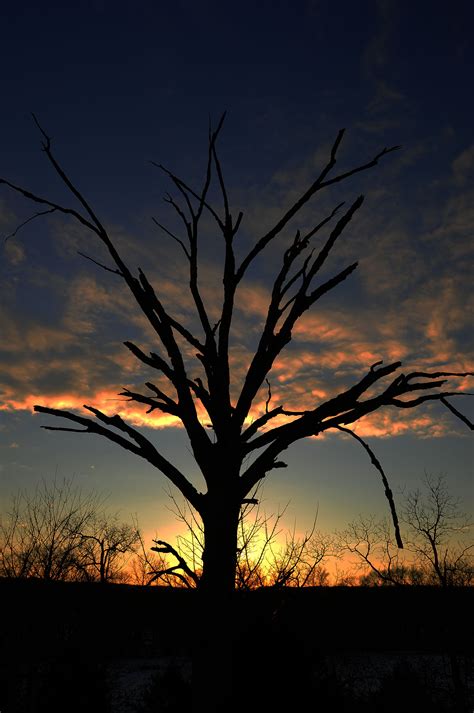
x: 457, y: 413
x: 65, y: 178
x: 342, y: 409
x: 99, y: 264
x: 316, y: 186
x: 43, y: 201
x: 252, y: 429
x: 166, y: 548
x: 28, y: 220
x: 150, y: 401
x: 271, y: 344
x: 388, y: 491
x: 173, y: 236
x: 154, y: 360
x: 142, y: 446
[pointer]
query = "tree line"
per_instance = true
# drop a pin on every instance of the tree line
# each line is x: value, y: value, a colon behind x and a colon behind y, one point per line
x: 56, y: 532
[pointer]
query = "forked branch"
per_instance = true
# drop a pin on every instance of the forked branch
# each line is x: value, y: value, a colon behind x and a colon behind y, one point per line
x: 316, y: 186
x: 165, y: 548
x: 341, y: 410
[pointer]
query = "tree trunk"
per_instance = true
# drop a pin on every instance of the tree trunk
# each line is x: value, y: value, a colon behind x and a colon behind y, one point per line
x: 213, y: 653
x: 220, y: 547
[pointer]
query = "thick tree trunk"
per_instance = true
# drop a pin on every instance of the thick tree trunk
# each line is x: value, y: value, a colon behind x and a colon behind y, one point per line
x: 213, y: 654
x: 220, y: 548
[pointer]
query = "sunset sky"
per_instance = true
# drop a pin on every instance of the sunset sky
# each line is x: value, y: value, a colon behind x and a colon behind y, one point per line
x: 117, y: 86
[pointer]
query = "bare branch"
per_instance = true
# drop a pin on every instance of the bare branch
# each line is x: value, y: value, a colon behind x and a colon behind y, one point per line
x: 142, y: 446
x: 54, y: 206
x: 271, y: 344
x: 183, y: 186
x: 330, y: 284
x: 161, y: 395
x: 150, y: 401
x: 173, y: 236
x: 338, y: 229
x: 429, y: 397
x: 155, y: 361
x: 252, y: 429
x: 190, y: 338
x: 388, y: 491
x: 343, y: 409
x: 99, y: 264
x: 269, y: 397
x: 457, y: 413
x: 437, y: 374
x: 346, y: 408
x: 221, y: 184
x: 28, y: 220
x: 316, y: 186
x: 169, y: 199
x: 64, y: 177
x: 166, y: 548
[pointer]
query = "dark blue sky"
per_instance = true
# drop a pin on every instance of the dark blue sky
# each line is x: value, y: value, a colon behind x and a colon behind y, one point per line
x: 116, y: 85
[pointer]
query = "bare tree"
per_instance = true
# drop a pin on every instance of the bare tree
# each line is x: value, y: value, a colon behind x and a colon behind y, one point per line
x: 437, y: 537
x: 373, y: 546
x: 17, y: 548
x: 222, y: 460
x: 298, y: 562
x: 241, y: 451
x: 105, y: 548
x: 440, y: 536
x: 57, y: 532
x: 439, y: 533
x: 40, y: 533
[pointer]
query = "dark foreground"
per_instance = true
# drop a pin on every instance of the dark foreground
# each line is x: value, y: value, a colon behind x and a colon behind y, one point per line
x: 119, y: 649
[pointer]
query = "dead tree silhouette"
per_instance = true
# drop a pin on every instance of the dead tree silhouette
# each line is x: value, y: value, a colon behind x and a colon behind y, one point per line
x: 229, y: 475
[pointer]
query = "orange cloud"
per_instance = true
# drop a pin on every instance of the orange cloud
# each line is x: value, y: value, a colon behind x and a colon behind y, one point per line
x: 106, y: 401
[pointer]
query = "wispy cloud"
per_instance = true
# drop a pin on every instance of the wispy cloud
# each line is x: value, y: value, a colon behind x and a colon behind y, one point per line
x: 463, y: 166
x: 14, y: 252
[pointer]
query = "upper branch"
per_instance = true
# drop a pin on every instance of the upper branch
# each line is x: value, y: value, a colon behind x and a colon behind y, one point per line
x: 191, y: 223
x: 213, y: 354
x: 44, y: 201
x: 271, y: 341
x: 316, y: 186
x: 65, y: 178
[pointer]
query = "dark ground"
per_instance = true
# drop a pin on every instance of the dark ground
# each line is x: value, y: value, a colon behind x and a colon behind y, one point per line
x: 120, y: 649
